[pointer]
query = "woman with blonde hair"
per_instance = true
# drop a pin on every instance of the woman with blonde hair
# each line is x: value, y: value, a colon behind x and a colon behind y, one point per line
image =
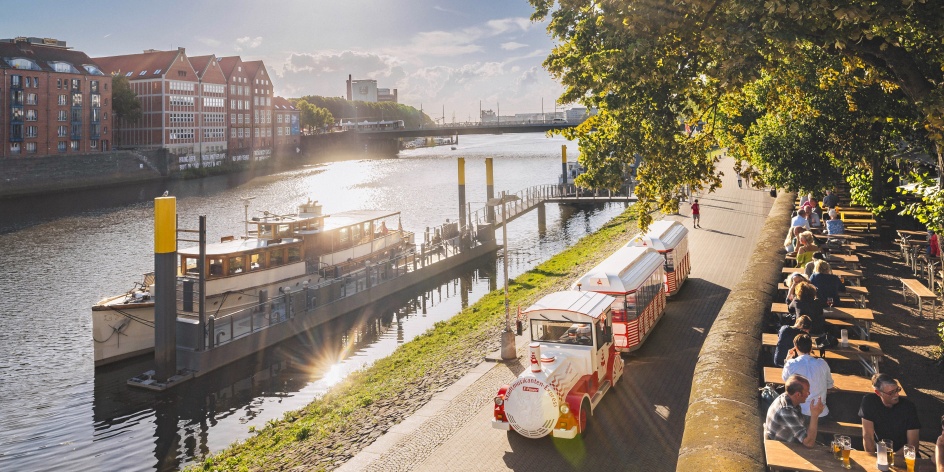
x: 806, y: 250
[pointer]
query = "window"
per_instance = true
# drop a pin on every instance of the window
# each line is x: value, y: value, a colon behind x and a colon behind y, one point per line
x: 93, y: 86
x: 232, y: 132
x: 91, y: 69
x: 62, y: 146
x: 240, y: 118
x: 76, y: 131
x: 31, y: 148
x: 76, y: 84
x: 96, y: 114
x: 181, y: 73
x: 287, y: 131
x: 75, y: 145
x: 16, y: 80
x: 105, y: 115
x: 63, y: 132
x: 14, y: 148
x: 31, y: 132
x: 31, y: 99
x: 93, y: 144
x: 240, y: 132
x: 157, y: 72
x: 31, y: 115
x: 16, y: 114
x: 62, y: 100
x: 232, y: 118
x: 63, y: 115
x: 76, y: 114
x: 76, y: 99
x: 129, y: 74
x: 279, y: 129
x: 58, y: 83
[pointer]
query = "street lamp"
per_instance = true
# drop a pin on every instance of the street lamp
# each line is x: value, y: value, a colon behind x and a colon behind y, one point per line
x: 508, y: 348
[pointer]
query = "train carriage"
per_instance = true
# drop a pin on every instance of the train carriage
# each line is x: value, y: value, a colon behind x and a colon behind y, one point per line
x: 670, y: 238
x: 635, y: 277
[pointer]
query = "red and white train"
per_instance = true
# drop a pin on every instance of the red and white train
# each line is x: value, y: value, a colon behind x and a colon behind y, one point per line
x: 577, y: 336
x: 670, y: 238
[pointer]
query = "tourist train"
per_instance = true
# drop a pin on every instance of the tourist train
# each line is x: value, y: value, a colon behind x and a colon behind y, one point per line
x: 670, y: 238
x: 578, y: 336
x: 279, y: 251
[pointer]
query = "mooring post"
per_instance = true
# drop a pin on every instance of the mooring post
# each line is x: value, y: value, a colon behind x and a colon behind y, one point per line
x: 489, y: 189
x: 462, y: 214
x: 165, y: 286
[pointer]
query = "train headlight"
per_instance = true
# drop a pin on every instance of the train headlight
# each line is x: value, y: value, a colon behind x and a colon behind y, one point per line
x: 564, y: 409
x: 499, y: 401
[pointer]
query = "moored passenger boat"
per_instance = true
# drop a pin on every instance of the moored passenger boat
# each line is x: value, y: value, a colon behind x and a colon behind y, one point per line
x: 281, y: 251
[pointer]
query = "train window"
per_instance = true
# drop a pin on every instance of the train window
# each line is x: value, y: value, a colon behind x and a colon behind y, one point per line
x: 561, y: 332
x: 670, y: 261
x: 631, y: 312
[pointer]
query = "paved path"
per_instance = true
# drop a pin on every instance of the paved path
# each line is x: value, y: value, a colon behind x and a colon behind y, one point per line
x: 639, y: 425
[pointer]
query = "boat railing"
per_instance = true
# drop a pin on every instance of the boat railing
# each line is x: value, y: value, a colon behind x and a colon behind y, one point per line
x: 293, y: 301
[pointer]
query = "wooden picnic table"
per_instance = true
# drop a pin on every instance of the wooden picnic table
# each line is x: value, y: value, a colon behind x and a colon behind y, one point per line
x: 793, y: 456
x: 862, y: 317
x: 859, y: 292
x: 867, y: 222
x: 849, y: 259
x: 852, y: 275
x: 842, y: 383
x: 869, y: 358
x: 912, y: 233
x: 855, y: 214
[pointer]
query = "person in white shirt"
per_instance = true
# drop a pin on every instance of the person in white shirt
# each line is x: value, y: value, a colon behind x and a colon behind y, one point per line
x: 800, y: 219
x: 816, y: 370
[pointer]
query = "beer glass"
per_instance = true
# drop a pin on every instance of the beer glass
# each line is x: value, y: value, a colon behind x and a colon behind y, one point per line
x: 890, y: 450
x: 846, y: 452
x: 837, y: 448
x: 910, y: 455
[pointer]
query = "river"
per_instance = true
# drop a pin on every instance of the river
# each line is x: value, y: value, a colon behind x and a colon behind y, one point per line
x: 61, y: 254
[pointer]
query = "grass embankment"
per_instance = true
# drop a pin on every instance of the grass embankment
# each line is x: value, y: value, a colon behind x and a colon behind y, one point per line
x: 335, y: 427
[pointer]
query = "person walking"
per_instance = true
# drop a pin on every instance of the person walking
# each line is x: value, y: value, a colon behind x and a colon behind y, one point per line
x: 696, y: 214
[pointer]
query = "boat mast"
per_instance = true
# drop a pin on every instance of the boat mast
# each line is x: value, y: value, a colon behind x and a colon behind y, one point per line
x: 246, y: 201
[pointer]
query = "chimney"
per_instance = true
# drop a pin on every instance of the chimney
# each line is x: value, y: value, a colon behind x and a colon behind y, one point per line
x: 349, y: 87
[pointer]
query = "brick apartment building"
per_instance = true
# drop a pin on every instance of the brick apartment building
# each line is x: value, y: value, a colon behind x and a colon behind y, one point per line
x: 261, y: 110
x: 249, y: 108
x: 55, y: 100
x: 211, y: 116
x: 286, y: 126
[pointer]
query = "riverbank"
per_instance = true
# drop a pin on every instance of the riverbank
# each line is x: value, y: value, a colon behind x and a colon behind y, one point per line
x: 331, y: 430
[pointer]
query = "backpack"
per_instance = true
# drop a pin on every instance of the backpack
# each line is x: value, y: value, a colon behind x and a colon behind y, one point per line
x: 768, y: 394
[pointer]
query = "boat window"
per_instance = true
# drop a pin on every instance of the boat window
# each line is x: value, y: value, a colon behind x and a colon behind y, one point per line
x: 294, y: 254
x: 257, y: 261
x: 284, y: 231
x: 561, y: 332
x: 356, y: 233
x: 276, y: 257
x: 235, y: 265
x: 343, y: 234
x: 189, y: 265
x: 367, y: 231
x: 216, y: 267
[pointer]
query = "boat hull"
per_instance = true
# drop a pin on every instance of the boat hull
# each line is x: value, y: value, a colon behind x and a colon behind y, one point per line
x: 122, y: 330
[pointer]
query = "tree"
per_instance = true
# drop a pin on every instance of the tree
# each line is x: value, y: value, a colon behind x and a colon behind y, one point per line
x: 125, y: 107
x: 646, y: 65
x: 313, y: 117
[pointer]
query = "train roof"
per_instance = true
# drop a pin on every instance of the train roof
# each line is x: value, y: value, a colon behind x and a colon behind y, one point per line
x: 662, y: 235
x: 590, y: 304
x: 624, y: 271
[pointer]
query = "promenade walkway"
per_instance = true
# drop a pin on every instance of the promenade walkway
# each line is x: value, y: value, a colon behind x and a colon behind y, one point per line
x: 639, y: 425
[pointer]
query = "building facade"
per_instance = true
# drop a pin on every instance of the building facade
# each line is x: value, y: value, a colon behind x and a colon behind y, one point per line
x: 261, y: 102
x: 211, y: 116
x: 54, y: 100
x: 287, y: 127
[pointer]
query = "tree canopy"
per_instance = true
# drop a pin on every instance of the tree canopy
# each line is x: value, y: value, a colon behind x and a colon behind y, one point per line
x: 800, y: 91
x: 124, y: 102
x: 313, y: 117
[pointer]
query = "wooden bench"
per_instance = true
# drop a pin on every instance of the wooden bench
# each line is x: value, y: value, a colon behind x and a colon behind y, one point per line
x: 858, y: 293
x: 863, y: 317
x: 869, y: 358
x: 842, y: 383
x: 852, y: 276
x: 921, y: 294
x: 783, y: 456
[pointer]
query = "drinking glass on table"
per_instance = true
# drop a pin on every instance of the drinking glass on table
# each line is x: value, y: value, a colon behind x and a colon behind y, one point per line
x: 910, y: 455
x: 837, y: 446
x: 890, y: 450
x: 846, y: 451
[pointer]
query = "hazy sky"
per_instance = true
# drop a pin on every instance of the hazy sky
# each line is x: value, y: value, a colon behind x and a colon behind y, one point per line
x: 435, y: 52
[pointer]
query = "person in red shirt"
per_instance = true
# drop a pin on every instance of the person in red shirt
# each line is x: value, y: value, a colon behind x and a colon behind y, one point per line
x: 696, y: 214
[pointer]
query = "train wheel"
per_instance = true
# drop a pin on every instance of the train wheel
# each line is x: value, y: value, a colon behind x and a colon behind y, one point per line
x: 584, y: 413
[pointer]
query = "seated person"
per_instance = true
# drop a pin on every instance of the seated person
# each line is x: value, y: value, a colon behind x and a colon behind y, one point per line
x: 784, y: 420
x: 827, y: 284
x: 805, y: 303
x: 887, y: 415
x: 834, y: 224
x: 792, y: 241
x: 817, y: 256
x: 799, y: 361
x: 831, y: 200
x: 786, y: 335
x: 791, y: 282
x: 804, y: 253
x: 800, y: 219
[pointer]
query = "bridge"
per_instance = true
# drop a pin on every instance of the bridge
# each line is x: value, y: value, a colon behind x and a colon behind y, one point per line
x: 523, y: 201
x: 464, y: 128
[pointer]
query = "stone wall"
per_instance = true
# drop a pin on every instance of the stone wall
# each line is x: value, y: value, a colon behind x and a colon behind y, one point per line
x: 724, y: 425
x: 26, y: 175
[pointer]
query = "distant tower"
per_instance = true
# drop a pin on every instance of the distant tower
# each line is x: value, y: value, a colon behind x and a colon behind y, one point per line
x: 349, y: 95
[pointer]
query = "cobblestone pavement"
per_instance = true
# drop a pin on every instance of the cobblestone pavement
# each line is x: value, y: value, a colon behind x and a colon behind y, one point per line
x: 639, y: 425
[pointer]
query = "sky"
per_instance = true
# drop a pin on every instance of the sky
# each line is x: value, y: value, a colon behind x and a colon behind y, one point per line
x: 450, y: 54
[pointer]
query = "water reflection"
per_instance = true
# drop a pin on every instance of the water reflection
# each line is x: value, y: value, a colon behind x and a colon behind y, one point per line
x: 280, y: 379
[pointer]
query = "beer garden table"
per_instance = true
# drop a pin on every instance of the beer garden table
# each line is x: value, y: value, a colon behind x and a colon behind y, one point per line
x: 783, y: 456
x: 870, y: 359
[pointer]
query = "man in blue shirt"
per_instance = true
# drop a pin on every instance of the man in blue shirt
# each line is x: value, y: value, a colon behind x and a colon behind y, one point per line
x: 800, y: 219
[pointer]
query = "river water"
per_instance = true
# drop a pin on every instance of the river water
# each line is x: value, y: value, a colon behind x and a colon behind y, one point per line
x: 60, y: 254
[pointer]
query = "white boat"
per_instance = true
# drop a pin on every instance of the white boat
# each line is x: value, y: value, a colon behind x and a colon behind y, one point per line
x: 282, y: 251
